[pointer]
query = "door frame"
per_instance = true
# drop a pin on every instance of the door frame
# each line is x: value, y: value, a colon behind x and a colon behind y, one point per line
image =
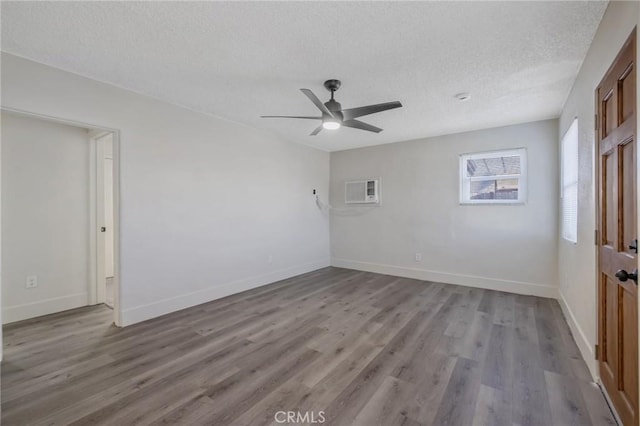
x: 93, y: 220
x: 96, y: 160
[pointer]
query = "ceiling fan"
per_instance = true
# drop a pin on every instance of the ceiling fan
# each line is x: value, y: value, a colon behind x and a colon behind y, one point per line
x: 333, y: 116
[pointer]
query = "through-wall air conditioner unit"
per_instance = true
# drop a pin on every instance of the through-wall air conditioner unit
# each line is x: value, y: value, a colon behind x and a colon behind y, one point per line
x: 362, y: 192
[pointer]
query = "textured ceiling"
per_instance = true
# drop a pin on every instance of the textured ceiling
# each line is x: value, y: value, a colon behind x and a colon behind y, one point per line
x: 240, y: 60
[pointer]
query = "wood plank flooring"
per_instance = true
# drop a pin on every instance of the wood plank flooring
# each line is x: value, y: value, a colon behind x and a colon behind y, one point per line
x: 349, y: 347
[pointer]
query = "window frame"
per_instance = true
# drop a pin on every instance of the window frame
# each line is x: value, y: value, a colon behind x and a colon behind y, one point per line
x: 573, y: 128
x: 465, y: 180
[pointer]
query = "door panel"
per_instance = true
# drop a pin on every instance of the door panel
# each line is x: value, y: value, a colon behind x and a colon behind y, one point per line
x: 609, y: 207
x: 627, y: 93
x: 608, y: 113
x: 627, y: 187
x: 618, y: 294
x: 610, y: 325
x: 629, y: 346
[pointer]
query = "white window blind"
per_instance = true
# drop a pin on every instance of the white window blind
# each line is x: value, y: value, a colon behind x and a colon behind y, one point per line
x: 497, y: 177
x: 569, y: 188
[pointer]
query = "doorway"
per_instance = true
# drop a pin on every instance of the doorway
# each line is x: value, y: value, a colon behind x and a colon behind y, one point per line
x: 617, y: 233
x: 105, y: 249
x: 59, y: 191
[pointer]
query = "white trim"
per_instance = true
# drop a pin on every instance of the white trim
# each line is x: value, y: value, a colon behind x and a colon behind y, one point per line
x: 117, y: 290
x: 58, y: 120
x: 586, y: 347
x: 183, y: 301
x: 517, y: 287
x: 93, y: 223
x: 43, y: 307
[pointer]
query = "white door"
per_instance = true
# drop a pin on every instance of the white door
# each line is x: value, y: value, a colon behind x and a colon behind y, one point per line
x: 105, y: 266
x: 108, y: 216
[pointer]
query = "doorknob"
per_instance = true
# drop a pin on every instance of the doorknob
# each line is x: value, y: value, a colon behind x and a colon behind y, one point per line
x: 623, y: 275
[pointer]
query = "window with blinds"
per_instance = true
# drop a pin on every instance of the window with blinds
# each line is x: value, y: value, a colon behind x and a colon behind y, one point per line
x: 497, y: 177
x: 569, y: 190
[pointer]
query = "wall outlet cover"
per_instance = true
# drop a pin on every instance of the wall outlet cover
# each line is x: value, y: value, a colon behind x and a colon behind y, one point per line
x: 31, y: 281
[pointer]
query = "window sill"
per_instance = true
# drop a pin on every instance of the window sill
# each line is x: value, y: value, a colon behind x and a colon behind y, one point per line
x: 510, y: 203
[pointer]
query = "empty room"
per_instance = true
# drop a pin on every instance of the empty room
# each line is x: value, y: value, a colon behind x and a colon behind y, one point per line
x: 305, y: 213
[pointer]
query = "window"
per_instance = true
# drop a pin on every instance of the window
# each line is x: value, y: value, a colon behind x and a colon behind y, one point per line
x: 497, y: 177
x: 569, y: 190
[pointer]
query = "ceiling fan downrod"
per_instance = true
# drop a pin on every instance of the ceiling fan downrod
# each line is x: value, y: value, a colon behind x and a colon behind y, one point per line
x: 332, y: 85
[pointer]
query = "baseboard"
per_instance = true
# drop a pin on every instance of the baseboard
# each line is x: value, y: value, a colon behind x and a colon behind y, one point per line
x: 165, y: 306
x: 518, y: 287
x: 43, y: 307
x: 586, y: 348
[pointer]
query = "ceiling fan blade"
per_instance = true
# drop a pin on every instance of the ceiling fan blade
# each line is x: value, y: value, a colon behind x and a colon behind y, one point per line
x: 316, y: 102
x: 316, y: 131
x: 356, y: 124
x: 350, y: 113
x: 291, y: 116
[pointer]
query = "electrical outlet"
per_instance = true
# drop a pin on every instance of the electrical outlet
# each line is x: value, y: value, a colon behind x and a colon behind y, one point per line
x: 32, y: 281
x: 418, y: 257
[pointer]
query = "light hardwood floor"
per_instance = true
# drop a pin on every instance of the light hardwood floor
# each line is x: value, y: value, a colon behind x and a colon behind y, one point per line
x: 362, y: 348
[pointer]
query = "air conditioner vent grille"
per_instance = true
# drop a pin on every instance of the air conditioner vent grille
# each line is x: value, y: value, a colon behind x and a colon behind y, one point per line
x: 362, y: 192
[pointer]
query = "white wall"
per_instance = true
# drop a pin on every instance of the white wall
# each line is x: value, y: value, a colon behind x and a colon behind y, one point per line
x: 203, y: 202
x: 505, y: 247
x: 577, y: 262
x: 45, y: 217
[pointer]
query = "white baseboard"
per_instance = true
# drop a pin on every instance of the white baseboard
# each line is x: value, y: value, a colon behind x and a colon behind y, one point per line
x: 43, y: 307
x: 165, y: 306
x: 586, y: 347
x: 518, y: 287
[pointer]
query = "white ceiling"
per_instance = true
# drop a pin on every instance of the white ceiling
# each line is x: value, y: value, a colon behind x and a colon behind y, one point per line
x: 240, y: 60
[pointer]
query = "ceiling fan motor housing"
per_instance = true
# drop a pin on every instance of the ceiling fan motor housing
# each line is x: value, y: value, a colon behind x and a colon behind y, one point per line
x: 335, y: 108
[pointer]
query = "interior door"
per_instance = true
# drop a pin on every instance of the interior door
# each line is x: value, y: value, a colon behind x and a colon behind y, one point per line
x: 108, y: 216
x: 617, y: 242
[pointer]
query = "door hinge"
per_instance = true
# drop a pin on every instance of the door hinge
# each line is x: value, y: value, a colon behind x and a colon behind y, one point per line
x: 595, y: 237
x: 597, y: 122
x: 597, y: 351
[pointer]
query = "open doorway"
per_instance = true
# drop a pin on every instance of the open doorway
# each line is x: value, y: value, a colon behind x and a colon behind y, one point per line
x: 105, y: 249
x: 59, y: 221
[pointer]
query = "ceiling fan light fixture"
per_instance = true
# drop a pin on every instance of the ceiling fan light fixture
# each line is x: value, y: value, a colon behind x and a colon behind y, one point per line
x: 331, y: 124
